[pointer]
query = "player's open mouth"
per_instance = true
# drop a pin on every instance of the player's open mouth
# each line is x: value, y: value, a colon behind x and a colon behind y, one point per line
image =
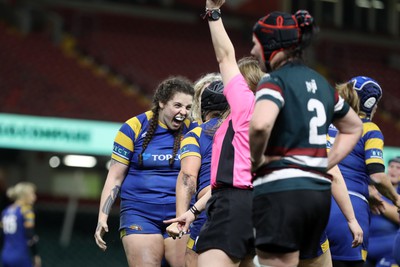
x: 179, y: 118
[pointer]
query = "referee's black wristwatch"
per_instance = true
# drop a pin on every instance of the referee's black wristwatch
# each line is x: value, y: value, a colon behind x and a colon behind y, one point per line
x: 212, y: 14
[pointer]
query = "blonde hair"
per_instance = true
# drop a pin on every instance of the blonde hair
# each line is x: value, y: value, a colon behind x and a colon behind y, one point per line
x: 350, y: 95
x: 20, y: 190
x: 251, y: 71
x: 199, y: 87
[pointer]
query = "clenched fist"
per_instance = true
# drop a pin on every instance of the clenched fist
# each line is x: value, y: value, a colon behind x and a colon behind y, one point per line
x: 212, y: 4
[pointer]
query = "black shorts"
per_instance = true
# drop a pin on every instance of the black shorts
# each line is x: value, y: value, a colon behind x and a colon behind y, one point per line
x: 229, y: 225
x: 291, y: 221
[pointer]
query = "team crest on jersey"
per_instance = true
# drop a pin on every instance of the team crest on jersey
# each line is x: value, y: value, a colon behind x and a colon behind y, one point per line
x: 311, y: 86
x: 136, y: 227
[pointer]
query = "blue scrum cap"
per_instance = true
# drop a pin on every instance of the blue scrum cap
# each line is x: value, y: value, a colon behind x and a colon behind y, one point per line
x: 369, y: 92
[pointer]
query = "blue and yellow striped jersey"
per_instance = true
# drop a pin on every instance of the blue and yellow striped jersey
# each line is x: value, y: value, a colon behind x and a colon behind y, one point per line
x: 155, y: 181
x: 198, y: 143
x: 368, y: 150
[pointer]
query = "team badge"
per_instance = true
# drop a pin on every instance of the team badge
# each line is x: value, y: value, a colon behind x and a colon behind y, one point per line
x: 136, y: 227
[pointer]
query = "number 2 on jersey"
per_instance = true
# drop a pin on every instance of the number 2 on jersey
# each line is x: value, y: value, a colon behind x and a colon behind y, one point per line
x: 316, y: 121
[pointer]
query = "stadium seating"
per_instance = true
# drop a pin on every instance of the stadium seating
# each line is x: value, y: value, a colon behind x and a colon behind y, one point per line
x: 160, y: 49
x: 41, y: 80
x: 351, y: 59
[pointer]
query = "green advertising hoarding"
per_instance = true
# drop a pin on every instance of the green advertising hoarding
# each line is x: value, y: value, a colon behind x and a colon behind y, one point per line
x: 390, y: 152
x: 57, y: 134
x: 71, y: 135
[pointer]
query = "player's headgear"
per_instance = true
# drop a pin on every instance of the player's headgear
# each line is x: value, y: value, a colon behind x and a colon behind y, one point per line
x: 280, y: 30
x: 276, y: 31
x: 213, y: 98
x: 369, y: 92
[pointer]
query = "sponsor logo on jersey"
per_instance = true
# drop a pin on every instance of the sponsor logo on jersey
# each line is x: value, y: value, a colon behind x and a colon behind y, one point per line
x: 146, y: 156
x: 163, y: 157
x: 121, y: 151
x: 184, y: 150
x: 376, y: 154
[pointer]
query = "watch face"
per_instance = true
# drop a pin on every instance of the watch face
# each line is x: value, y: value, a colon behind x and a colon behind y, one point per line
x: 215, y: 15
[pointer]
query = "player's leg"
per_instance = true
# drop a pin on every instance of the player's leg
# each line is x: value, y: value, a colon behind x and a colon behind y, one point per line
x: 175, y: 250
x: 191, y: 258
x: 144, y: 250
x: 216, y: 257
